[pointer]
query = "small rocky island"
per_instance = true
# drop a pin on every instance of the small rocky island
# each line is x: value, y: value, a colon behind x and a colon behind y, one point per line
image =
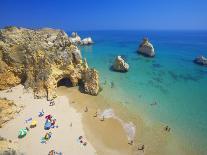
x: 120, y: 65
x: 76, y: 39
x: 40, y: 58
x: 201, y: 60
x: 146, y: 48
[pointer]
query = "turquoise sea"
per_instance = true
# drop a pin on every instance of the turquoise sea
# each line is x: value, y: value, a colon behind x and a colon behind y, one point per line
x: 170, y: 78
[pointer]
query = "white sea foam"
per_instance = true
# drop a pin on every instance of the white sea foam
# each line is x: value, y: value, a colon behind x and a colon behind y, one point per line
x: 129, y: 127
x: 107, y: 113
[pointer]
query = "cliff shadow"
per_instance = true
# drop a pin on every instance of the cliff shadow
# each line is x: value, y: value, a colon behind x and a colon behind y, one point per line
x: 64, y: 82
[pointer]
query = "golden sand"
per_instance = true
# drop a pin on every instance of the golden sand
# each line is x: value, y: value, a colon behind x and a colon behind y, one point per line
x: 109, y: 136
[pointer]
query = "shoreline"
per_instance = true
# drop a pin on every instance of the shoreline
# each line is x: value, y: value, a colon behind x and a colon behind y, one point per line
x: 110, y: 136
x: 152, y: 135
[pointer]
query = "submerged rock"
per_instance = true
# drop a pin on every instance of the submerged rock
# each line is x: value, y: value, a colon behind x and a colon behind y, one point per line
x: 40, y: 58
x: 146, y: 48
x: 120, y: 65
x: 201, y: 60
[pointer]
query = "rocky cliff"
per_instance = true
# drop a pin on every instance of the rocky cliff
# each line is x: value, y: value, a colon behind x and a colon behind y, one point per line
x: 8, y: 110
x: 40, y: 58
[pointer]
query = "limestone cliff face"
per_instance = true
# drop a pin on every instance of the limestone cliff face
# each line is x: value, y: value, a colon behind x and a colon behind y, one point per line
x: 40, y: 58
x: 8, y: 110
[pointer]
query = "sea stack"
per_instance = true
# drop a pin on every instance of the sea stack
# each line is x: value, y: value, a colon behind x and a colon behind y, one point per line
x: 40, y: 58
x: 75, y: 38
x: 201, y: 60
x: 146, y: 48
x: 87, y: 41
x: 120, y: 65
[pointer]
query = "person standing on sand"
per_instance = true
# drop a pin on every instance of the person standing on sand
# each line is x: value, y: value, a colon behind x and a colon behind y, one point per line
x: 102, y: 118
x: 131, y: 142
x: 141, y: 149
x: 95, y: 115
x: 86, y: 109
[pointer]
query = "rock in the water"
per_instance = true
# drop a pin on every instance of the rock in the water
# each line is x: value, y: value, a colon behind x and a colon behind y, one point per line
x: 75, y: 38
x: 40, y: 58
x: 120, y: 65
x: 201, y: 60
x: 87, y: 41
x: 146, y: 48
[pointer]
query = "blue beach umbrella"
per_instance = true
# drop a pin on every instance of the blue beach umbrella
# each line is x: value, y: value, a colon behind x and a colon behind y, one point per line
x: 47, y: 125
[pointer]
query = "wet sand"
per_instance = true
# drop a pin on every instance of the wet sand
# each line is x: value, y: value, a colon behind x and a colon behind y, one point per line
x: 109, y: 136
x: 103, y: 137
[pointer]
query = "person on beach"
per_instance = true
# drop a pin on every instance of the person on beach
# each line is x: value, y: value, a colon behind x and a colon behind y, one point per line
x: 52, y: 103
x: 167, y: 128
x: 141, y: 149
x: 95, y: 115
x: 86, y: 109
x: 131, y: 142
x: 102, y: 119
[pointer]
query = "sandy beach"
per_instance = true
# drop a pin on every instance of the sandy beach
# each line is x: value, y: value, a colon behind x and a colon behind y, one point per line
x: 111, y: 136
x: 64, y: 138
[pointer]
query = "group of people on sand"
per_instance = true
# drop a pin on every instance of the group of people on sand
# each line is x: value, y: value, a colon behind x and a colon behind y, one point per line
x: 167, y: 128
x: 139, y: 148
x: 95, y: 115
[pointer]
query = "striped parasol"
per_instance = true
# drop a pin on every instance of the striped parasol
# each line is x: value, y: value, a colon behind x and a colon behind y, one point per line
x: 22, y: 132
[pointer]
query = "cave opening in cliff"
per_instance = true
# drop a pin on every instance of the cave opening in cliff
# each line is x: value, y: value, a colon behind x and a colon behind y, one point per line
x: 64, y: 82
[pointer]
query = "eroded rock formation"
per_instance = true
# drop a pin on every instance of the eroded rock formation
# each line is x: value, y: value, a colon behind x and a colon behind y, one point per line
x: 120, y: 65
x: 8, y: 110
x: 87, y: 41
x: 40, y: 58
x: 8, y: 147
x: 146, y: 48
x: 76, y: 39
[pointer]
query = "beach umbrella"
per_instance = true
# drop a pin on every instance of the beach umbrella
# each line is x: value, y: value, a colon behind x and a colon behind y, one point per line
x: 22, y: 132
x: 47, y: 125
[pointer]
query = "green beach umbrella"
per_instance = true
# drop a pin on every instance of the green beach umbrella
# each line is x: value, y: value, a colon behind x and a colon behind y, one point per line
x: 22, y: 132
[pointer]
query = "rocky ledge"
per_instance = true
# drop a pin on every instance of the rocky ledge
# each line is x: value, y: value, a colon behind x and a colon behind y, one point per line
x: 40, y: 59
x: 120, y: 65
x: 201, y: 60
x: 146, y: 48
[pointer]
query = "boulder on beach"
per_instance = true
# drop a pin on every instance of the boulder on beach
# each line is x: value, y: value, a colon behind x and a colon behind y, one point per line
x: 146, y: 48
x: 87, y: 41
x: 40, y: 58
x: 120, y: 65
x: 201, y: 60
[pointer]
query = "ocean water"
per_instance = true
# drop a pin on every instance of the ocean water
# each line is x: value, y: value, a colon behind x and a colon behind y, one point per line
x: 170, y: 78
